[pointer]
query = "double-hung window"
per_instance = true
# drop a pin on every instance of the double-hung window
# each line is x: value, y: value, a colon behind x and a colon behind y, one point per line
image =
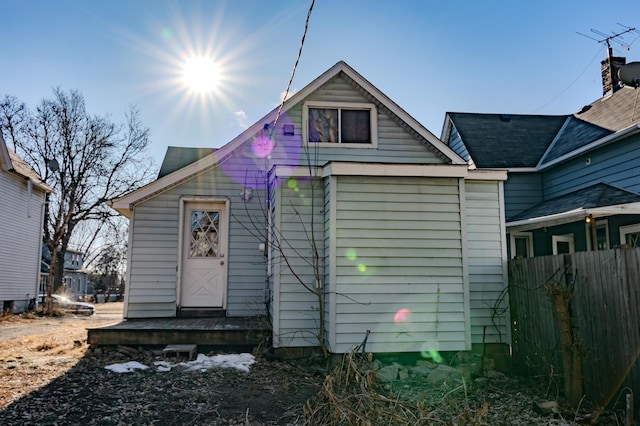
x: 348, y: 124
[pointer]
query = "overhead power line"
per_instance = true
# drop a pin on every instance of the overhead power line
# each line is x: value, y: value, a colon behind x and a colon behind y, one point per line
x: 295, y: 66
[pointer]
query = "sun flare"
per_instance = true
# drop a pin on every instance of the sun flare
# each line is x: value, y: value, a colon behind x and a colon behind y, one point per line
x: 201, y: 75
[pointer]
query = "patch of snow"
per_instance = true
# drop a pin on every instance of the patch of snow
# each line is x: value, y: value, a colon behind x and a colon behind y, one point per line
x: 163, y: 366
x: 127, y: 367
x: 240, y: 362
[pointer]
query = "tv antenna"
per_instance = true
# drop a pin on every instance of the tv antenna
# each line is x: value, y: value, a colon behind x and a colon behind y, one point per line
x: 614, y: 37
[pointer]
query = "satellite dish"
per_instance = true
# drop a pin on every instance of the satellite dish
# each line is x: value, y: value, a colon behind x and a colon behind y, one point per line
x: 630, y: 74
x: 53, y: 165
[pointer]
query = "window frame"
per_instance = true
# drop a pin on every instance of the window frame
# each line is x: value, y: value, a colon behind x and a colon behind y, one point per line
x: 512, y: 242
x: 564, y: 238
x: 628, y: 229
x: 358, y: 106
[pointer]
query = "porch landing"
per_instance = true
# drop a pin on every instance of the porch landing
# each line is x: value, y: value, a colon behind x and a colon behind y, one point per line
x: 216, y: 331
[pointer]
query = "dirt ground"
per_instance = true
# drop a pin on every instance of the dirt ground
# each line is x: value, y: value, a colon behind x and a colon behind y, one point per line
x: 35, y: 350
x: 49, y: 376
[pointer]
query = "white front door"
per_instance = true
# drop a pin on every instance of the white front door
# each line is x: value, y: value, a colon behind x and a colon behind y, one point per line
x: 204, y: 247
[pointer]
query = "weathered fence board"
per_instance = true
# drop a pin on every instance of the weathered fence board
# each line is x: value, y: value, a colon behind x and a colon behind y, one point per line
x: 605, y: 299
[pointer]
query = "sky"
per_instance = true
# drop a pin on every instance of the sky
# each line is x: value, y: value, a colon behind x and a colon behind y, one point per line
x: 430, y: 57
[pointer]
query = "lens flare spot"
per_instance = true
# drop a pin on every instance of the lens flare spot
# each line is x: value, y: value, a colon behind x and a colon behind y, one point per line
x: 350, y: 254
x: 166, y: 33
x: 292, y: 184
x: 362, y: 267
x: 262, y: 146
x: 402, y: 316
x: 430, y: 351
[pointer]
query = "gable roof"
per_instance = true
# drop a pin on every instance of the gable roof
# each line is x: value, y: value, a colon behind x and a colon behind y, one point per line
x: 174, y: 178
x: 497, y: 140
x: 533, y: 141
x: 11, y: 162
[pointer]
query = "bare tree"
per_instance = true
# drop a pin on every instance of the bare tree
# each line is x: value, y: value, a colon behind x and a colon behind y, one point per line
x: 108, y: 270
x: 87, y: 159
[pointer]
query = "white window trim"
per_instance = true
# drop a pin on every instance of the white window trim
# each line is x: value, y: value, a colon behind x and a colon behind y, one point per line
x: 373, y: 114
x: 566, y: 238
x: 512, y: 242
x: 628, y: 229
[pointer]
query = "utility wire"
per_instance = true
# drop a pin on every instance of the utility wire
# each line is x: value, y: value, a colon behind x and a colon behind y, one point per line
x: 293, y: 71
x: 573, y: 82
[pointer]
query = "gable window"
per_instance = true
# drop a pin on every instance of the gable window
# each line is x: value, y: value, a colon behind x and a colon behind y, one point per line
x: 521, y: 245
x: 630, y: 235
x: 349, y: 124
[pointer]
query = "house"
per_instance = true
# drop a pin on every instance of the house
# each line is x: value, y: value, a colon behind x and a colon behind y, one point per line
x: 75, y: 277
x: 22, y: 212
x: 339, y: 190
x: 573, y: 180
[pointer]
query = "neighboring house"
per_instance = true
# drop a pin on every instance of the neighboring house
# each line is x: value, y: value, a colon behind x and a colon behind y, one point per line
x: 574, y: 180
x: 21, y: 209
x: 346, y: 192
x: 75, y: 277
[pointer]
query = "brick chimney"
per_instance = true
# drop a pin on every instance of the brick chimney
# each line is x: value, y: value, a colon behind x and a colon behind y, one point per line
x: 610, y: 68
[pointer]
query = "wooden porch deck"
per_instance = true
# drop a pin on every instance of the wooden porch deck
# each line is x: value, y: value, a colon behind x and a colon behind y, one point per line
x: 218, y: 331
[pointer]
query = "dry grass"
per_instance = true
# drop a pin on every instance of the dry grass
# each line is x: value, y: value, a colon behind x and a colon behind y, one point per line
x: 352, y: 395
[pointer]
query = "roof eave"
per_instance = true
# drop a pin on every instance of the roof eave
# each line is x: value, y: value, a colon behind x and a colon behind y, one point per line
x: 626, y: 132
x: 572, y: 216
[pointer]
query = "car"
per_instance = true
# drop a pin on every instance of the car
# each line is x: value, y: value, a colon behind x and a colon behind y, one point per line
x: 66, y: 304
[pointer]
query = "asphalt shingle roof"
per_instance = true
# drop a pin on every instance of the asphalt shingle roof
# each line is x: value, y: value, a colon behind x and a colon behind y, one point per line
x: 506, y: 140
x: 575, y: 134
x: 614, y: 112
x: 598, y: 195
x: 178, y: 157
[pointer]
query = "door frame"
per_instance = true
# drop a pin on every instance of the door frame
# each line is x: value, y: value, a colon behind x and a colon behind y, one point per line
x: 225, y: 226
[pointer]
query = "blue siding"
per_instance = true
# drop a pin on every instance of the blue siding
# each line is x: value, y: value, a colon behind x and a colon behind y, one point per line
x: 617, y: 165
x: 455, y: 143
x: 522, y: 191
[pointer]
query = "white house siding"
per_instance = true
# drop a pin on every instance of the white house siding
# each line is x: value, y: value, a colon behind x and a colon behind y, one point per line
x: 395, y: 143
x: 487, y: 262
x: 399, y: 267
x: 615, y: 165
x: 300, y: 227
x: 329, y: 266
x: 272, y: 226
x: 21, y: 230
x: 154, y: 251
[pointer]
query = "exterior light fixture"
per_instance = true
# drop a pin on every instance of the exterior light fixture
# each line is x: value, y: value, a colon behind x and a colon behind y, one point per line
x: 246, y: 194
x: 588, y: 219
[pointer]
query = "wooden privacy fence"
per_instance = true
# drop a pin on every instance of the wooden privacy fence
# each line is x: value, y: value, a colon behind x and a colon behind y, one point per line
x: 604, y: 305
